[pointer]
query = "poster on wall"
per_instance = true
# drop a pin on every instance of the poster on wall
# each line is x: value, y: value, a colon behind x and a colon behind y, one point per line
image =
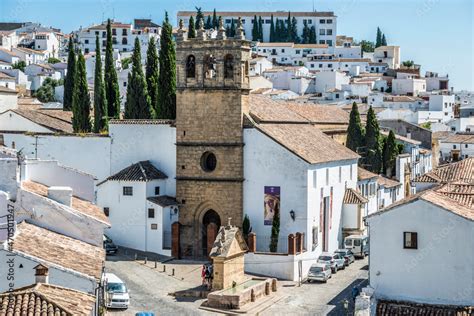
x: 271, y: 203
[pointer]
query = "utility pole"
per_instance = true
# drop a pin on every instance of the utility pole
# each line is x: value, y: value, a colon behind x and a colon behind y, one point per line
x: 36, y: 144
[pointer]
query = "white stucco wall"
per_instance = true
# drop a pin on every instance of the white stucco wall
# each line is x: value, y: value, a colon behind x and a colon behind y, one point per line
x: 89, y: 154
x: 8, y: 176
x: 26, y: 275
x: 439, y: 271
x: 10, y: 121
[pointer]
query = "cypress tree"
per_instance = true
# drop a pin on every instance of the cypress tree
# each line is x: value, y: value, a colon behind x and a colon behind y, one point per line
x: 112, y: 92
x: 278, y: 31
x: 199, y: 17
x: 384, y: 40
x: 275, y: 231
x: 378, y: 40
x: 137, y: 105
x: 284, y: 32
x: 294, y: 31
x: 152, y: 74
x: 69, y: 80
x: 312, y: 35
x: 215, y: 20
x: 81, y: 101
x: 208, y: 24
x: 355, y: 132
x: 191, y: 28
x: 260, y: 29
x: 227, y: 31
x: 306, y: 31
x: 288, y: 29
x: 272, y: 30
x: 372, y: 143
x: 390, y: 152
x: 100, y: 102
x: 232, y: 28
x: 255, y: 32
x: 167, y: 77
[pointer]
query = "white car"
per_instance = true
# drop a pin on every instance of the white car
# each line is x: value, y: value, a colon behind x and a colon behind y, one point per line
x: 116, y: 292
x: 335, y: 260
x: 319, y: 272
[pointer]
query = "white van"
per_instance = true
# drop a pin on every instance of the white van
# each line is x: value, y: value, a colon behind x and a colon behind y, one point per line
x: 116, y: 292
x: 358, y: 244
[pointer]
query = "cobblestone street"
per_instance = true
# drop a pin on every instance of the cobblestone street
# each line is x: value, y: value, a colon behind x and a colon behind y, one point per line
x: 149, y: 289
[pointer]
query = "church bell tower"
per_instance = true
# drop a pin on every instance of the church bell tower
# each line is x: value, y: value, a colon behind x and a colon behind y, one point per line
x: 212, y: 98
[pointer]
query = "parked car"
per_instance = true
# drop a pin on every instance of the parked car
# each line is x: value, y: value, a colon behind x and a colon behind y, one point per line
x: 319, y: 272
x: 116, y: 292
x: 358, y: 244
x: 109, y: 246
x: 336, y: 261
x: 144, y: 314
x: 347, y: 254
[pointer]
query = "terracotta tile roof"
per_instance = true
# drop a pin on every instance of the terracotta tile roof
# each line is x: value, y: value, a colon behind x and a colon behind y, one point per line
x: 457, y: 171
x: 140, y: 171
x: 387, y: 183
x: 8, y: 52
x: 30, y: 51
x: 258, y: 13
x: 354, y: 60
x: 56, y: 249
x: 400, y: 98
x: 143, y: 23
x: 5, y: 76
x: 273, y: 44
x: 402, y: 138
x: 364, y: 174
x: 395, y: 308
x: 311, y: 46
x: 142, y: 122
x: 266, y: 110
x: 163, y: 200
x: 459, y: 138
x: 454, y: 197
x: 48, y: 119
x: 80, y: 205
x: 307, y: 142
x: 46, y: 299
x: 351, y: 196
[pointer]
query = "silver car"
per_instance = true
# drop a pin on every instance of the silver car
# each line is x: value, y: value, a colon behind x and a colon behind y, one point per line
x: 319, y: 272
x: 336, y: 261
x: 347, y: 255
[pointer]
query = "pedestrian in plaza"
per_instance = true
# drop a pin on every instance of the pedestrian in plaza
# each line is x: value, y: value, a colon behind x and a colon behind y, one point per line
x: 203, y: 274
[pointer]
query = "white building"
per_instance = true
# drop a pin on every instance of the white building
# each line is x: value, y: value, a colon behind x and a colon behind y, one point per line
x: 8, y: 39
x: 387, y: 54
x: 31, y: 56
x: 435, y: 82
x: 259, y: 65
x: 412, y: 241
x: 281, y: 76
x: 409, y: 85
x: 325, y: 23
x: 7, y: 81
x: 8, y: 99
x: 456, y: 147
x: 9, y: 56
x: 327, y: 80
x: 48, y: 41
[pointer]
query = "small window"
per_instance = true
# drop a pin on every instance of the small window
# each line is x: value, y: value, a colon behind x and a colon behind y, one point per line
x: 86, y: 41
x: 157, y: 190
x: 191, y: 66
x: 410, y: 240
x: 208, y: 162
x: 315, y: 178
x: 329, y: 21
x: 151, y: 213
x: 322, y: 21
x: 124, y: 41
x: 128, y: 191
x: 154, y: 226
x: 106, y: 211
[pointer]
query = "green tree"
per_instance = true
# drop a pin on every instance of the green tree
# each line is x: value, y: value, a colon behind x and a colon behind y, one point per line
x: 45, y: 93
x: 390, y: 152
x: 53, y: 60
x: 81, y: 102
x: 137, y: 105
x: 112, y: 92
x: 372, y: 142
x: 355, y: 131
x: 21, y: 65
x: 255, y: 32
x: 283, y: 37
x: 152, y: 75
x: 260, y: 29
x: 215, y: 20
x: 272, y: 30
x: 275, y: 230
x: 191, y: 28
x: 312, y: 35
x: 408, y: 63
x: 208, y: 24
x: 100, y: 102
x: 294, y: 31
x: 306, y: 33
x: 232, y: 28
x: 378, y: 39
x: 126, y: 62
x: 384, y: 40
x: 246, y: 228
x: 367, y: 46
x: 70, y: 74
x: 199, y: 17
x: 288, y: 34
x: 167, y: 77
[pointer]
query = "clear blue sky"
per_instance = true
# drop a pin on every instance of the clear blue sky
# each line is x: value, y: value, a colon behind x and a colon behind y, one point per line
x: 438, y: 34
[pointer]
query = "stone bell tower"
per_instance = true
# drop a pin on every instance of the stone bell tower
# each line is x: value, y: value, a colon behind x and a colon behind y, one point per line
x: 212, y: 97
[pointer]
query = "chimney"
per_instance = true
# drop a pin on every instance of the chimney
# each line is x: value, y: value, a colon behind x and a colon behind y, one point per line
x: 61, y: 195
x: 41, y: 274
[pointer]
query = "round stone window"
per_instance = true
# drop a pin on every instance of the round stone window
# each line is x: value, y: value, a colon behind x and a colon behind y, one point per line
x: 208, y: 161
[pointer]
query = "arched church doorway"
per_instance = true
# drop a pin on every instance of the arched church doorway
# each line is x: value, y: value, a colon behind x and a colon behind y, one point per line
x: 211, y: 222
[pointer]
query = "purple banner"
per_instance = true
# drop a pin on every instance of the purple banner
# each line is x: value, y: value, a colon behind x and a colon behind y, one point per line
x: 271, y: 203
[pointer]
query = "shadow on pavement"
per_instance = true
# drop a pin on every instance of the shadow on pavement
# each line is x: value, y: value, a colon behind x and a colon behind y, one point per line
x: 346, y: 293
